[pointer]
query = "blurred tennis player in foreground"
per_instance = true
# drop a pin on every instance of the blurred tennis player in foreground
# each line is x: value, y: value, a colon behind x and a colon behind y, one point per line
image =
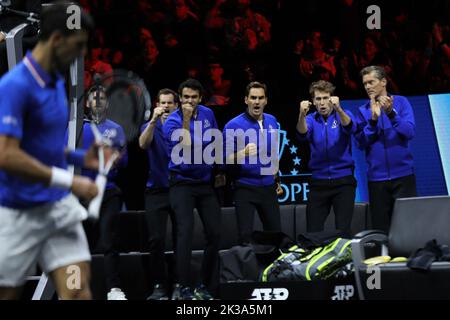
x: 40, y: 218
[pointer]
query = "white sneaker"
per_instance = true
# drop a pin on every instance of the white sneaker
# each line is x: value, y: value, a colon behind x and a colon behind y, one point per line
x: 116, y: 294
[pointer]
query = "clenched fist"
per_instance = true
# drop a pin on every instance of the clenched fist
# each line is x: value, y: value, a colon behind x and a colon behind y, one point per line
x: 335, y: 103
x: 304, y: 107
x: 158, y: 112
x: 188, y: 110
x: 84, y: 188
x: 250, y: 150
x: 280, y: 190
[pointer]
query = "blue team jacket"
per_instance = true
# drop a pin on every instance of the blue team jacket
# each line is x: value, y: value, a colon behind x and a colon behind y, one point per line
x: 330, y: 143
x: 114, y: 132
x: 158, y: 158
x: 191, y: 171
x: 386, y: 142
x: 246, y: 173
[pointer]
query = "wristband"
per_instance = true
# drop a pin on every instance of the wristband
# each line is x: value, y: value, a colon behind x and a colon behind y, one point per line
x: 61, y: 178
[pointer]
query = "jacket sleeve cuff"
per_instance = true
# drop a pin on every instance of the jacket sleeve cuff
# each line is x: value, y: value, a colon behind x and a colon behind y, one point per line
x: 373, y: 123
x: 392, y: 115
x: 349, y: 128
x: 302, y: 136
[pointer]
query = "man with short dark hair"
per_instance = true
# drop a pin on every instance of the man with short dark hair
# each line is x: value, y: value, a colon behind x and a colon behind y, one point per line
x: 108, y: 223
x: 385, y: 127
x: 328, y: 131
x: 191, y: 178
x: 157, y: 204
x: 251, y: 136
x: 40, y: 220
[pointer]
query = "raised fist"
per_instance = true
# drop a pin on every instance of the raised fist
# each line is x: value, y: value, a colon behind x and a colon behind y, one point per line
x: 157, y: 112
x: 250, y: 149
x: 188, y: 110
x: 304, y: 107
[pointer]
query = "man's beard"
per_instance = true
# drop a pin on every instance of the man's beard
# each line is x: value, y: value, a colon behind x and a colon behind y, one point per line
x: 60, y: 66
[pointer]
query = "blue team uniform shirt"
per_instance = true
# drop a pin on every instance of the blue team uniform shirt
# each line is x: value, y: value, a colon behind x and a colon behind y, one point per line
x: 191, y: 172
x: 158, y: 158
x: 114, y: 132
x: 386, y: 142
x: 33, y: 109
x: 246, y: 173
x: 331, y: 143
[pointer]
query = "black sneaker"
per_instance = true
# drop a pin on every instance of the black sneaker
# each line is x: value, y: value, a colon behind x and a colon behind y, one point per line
x: 159, y: 293
x: 176, y: 292
x: 186, y: 293
x: 201, y: 293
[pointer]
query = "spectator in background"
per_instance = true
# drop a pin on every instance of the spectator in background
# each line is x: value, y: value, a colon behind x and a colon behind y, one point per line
x: 117, y: 59
x: 215, y: 20
x: 95, y: 66
x: 373, y: 54
x: 188, y: 30
x: 349, y: 23
x: 440, y: 80
x: 217, y: 86
x: 414, y: 72
x: 144, y: 35
x: 148, y: 65
x: 440, y: 68
x: 144, y: 8
x: 315, y: 63
x: 441, y: 36
x: 248, y: 30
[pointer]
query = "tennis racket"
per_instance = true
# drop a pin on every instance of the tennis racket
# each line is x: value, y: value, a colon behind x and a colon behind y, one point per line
x: 128, y: 105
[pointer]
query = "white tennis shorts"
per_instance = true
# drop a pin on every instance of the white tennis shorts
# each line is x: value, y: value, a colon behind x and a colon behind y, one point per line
x: 51, y: 235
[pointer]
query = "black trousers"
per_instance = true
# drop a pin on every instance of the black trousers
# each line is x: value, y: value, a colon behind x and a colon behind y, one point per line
x: 324, y: 194
x: 158, y: 210
x: 264, y: 200
x: 382, y: 195
x: 109, y: 236
x: 183, y: 199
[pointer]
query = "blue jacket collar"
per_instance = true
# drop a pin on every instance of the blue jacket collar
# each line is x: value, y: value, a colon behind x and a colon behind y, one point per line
x: 40, y: 75
x: 180, y: 112
x: 318, y: 117
x: 250, y: 118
